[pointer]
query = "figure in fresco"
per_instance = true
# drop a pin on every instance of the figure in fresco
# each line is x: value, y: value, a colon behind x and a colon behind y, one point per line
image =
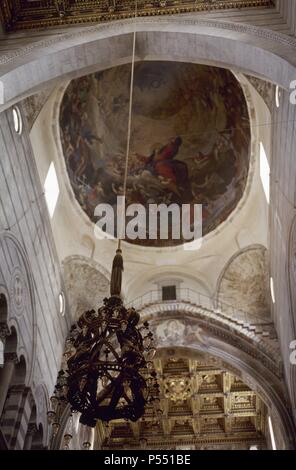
x: 162, y: 163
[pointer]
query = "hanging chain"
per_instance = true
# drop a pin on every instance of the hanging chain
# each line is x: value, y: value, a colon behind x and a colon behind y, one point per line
x: 129, y: 126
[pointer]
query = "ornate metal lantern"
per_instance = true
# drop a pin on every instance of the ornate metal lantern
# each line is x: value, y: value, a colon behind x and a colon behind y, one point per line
x: 109, y: 373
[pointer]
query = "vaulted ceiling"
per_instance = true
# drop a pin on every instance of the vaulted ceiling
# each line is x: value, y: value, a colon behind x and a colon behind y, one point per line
x: 19, y: 15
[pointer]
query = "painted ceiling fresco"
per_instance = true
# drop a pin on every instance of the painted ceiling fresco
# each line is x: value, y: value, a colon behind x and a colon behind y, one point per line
x: 190, y: 139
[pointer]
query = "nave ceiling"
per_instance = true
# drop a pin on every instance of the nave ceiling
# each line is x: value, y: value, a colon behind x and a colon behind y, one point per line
x: 27, y: 14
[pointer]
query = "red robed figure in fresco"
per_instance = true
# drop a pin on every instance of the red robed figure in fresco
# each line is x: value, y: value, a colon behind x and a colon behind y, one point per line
x: 162, y: 163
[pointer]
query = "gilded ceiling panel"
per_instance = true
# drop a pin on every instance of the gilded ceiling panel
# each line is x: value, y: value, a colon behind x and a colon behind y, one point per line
x: 202, y: 407
x: 29, y: 14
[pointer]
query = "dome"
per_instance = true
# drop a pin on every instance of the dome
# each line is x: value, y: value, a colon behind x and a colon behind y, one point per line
x: 190, y: 139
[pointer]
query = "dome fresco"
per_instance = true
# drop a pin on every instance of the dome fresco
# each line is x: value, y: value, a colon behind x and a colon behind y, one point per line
x: 190, y: 139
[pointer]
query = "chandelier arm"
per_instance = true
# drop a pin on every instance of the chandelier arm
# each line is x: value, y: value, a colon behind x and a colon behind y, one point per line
x: 97, y: 348
x: 114, y: 352
x: 127, y: 399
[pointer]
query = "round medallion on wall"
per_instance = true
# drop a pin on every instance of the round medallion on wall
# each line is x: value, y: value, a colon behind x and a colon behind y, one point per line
x: 18, y: 290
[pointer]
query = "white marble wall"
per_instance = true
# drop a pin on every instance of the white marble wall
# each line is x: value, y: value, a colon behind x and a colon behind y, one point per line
x: 282, y: 213
x: 29, y: 272
x: 259, y: 52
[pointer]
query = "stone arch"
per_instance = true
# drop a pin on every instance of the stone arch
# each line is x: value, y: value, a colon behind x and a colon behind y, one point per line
x: 247, y: 48
x: 17, y: 282
x: 253, y: 372
x: 246, y: 269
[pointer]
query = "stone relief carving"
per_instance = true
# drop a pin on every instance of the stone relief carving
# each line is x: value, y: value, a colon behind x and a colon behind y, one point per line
x: 85, y: 285
x: 264, y: 348
x: 18, y: 290
x: 265, y: 89
x: 244, y: 283
x: 178, y: 332
x: 33, y: 105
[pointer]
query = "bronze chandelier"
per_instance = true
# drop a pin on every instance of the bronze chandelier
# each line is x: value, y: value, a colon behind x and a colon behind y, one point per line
x: 109, y: 373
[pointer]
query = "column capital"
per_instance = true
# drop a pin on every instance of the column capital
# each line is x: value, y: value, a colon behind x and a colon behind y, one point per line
x: 11, y: 357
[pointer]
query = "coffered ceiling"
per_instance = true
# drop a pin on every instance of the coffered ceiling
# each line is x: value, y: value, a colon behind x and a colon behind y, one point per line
x: 203, y: 407
x: 30, y: 14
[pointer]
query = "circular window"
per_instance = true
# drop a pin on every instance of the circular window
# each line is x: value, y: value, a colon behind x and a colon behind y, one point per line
x: 62, y: 303
x: 17, y: 120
